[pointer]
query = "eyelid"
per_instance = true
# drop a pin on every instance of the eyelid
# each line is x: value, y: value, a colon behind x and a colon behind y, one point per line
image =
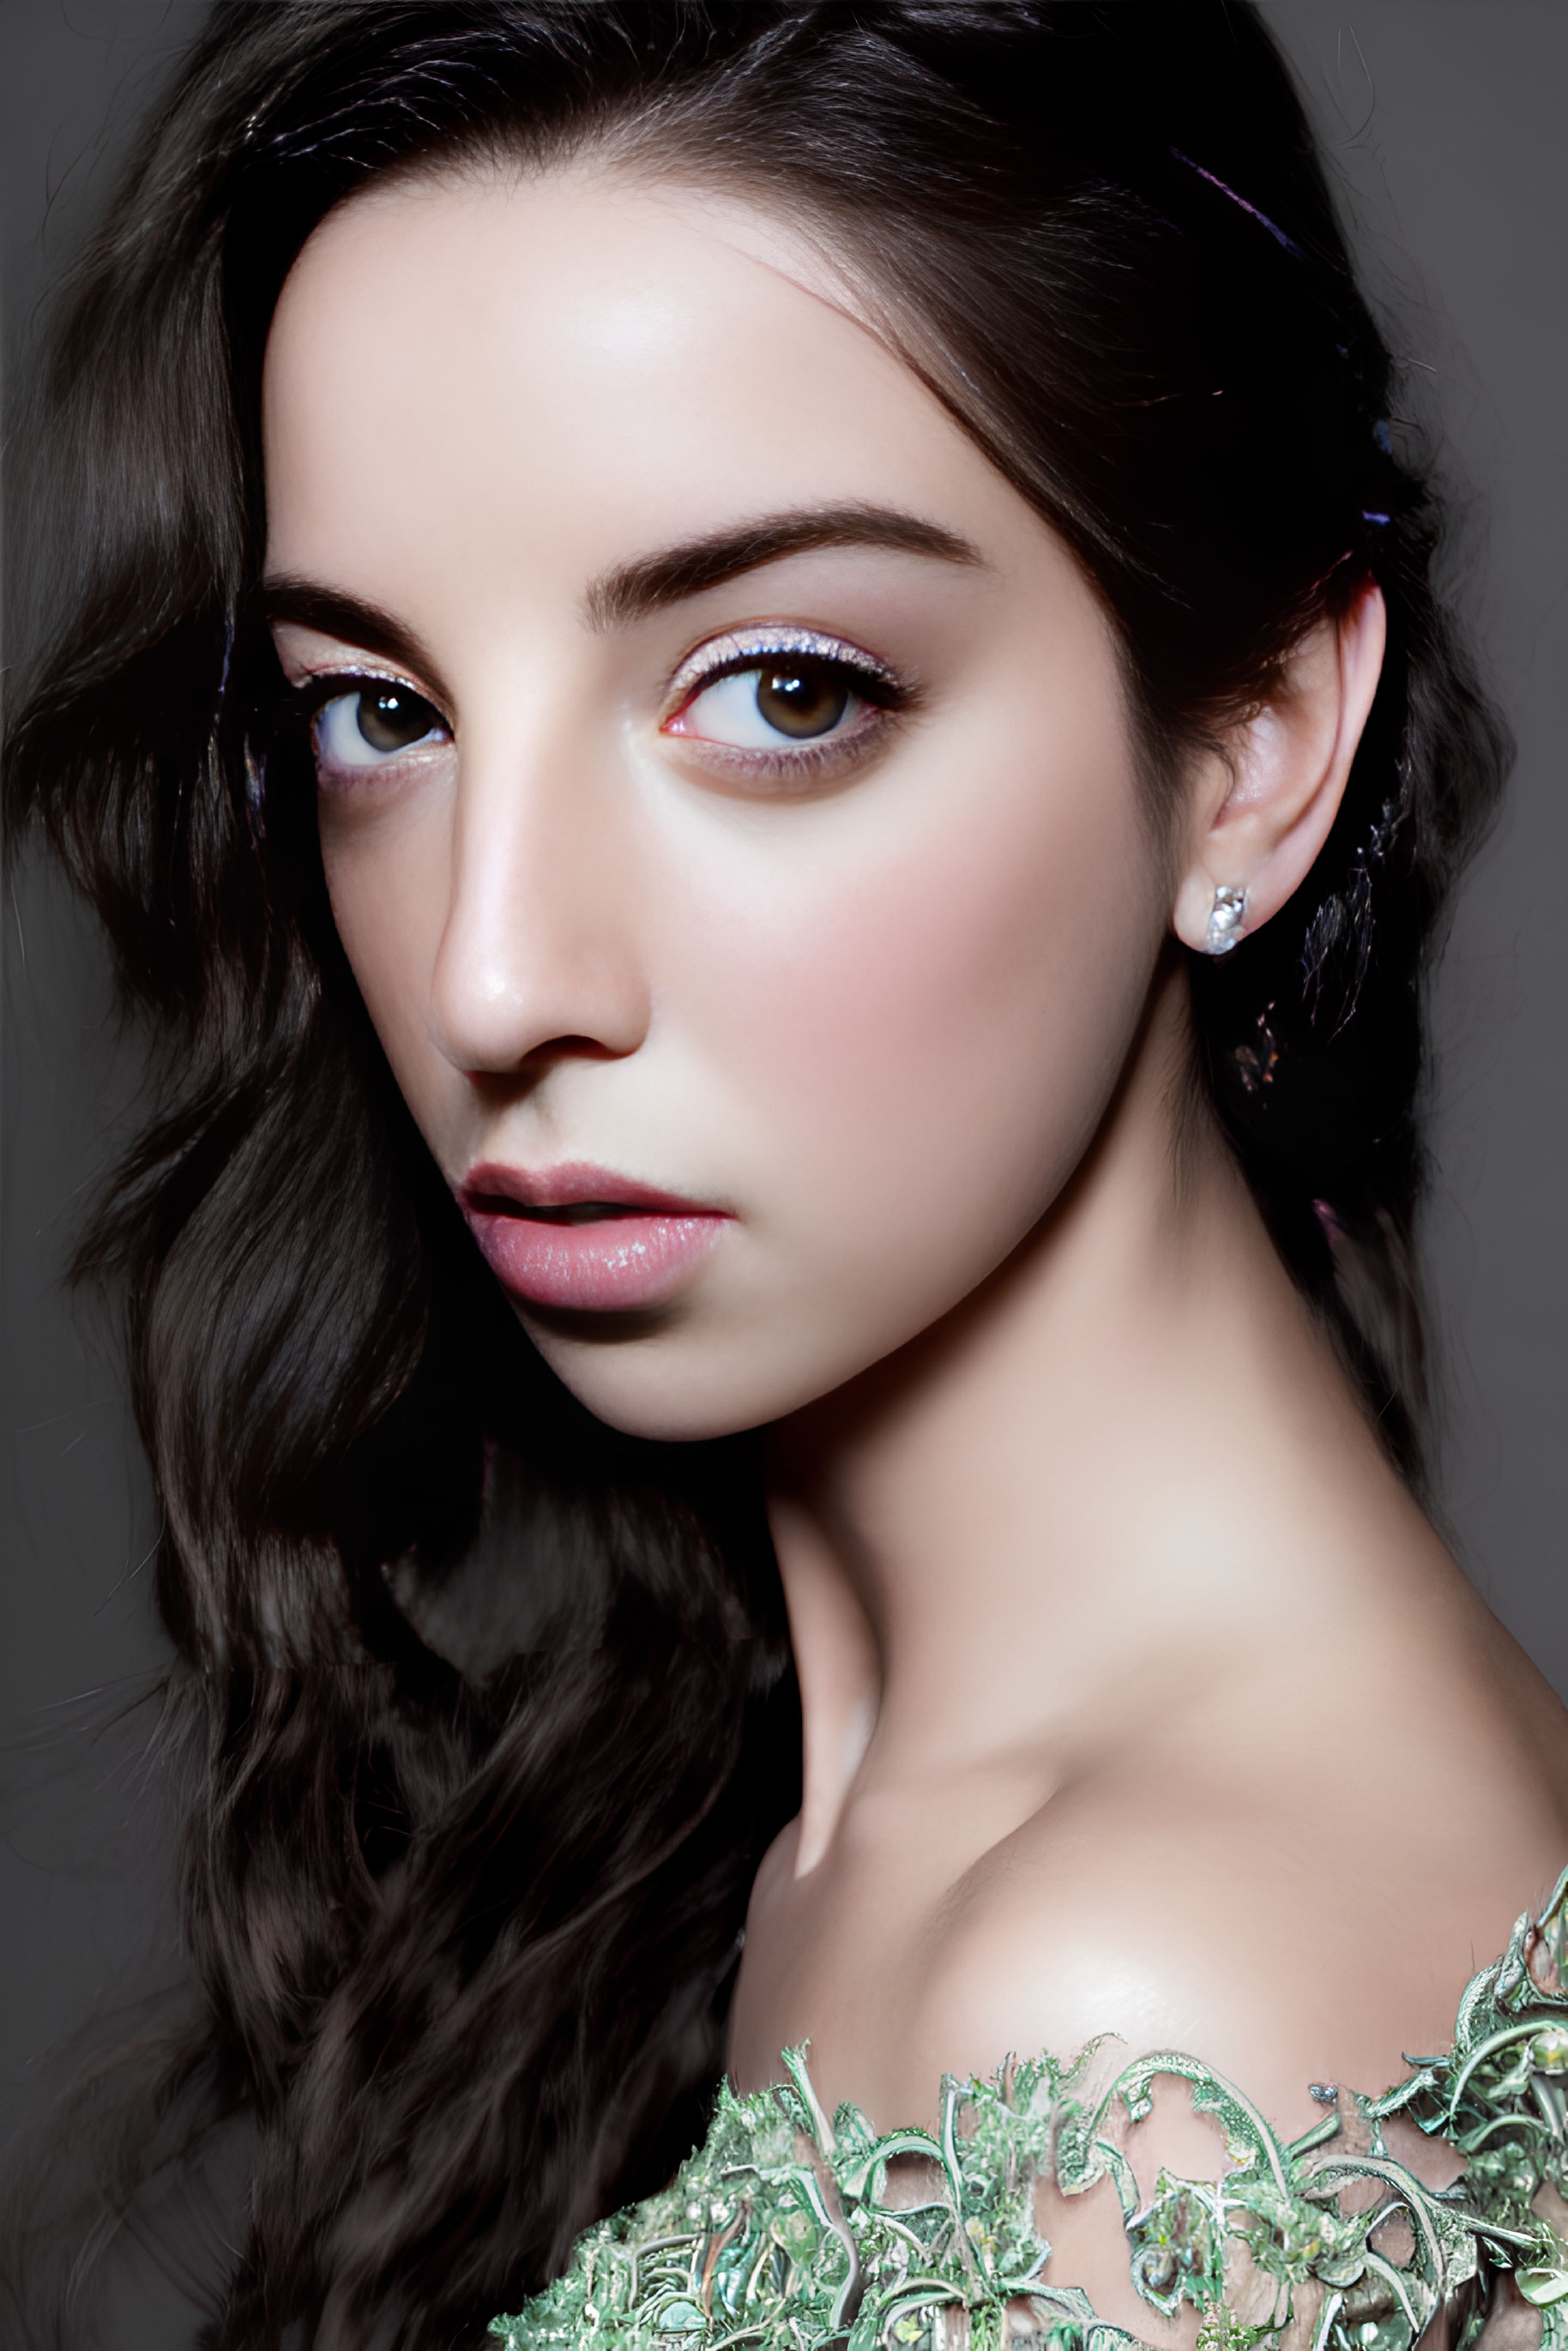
x: 738, y: 645
x: 320, y: 686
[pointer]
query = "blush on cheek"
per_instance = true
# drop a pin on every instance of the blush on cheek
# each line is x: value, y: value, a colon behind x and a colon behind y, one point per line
x: 957, y: 999
x: 953, y: 1033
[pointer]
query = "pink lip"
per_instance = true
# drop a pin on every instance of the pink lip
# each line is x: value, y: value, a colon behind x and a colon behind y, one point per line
x: 634, y: 1255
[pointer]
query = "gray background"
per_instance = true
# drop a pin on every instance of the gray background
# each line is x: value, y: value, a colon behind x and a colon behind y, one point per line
x: 1443, y: 120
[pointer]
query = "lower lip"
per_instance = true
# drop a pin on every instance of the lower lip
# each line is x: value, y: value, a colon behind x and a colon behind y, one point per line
x: 606, y: 1267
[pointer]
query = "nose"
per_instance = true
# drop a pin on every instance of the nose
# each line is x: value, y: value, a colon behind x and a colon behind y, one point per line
x: 539, y: 958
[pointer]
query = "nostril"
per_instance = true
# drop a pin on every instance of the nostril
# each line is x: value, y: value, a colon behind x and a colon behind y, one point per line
x: 586, y: 1049
x: 537, y: 1058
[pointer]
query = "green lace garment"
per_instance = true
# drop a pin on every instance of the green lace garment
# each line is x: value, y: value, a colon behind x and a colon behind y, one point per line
x: 782, y: 2233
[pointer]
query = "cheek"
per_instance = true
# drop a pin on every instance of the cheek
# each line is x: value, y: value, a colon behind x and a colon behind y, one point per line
x: 387, y: 881
x: 927, y: 1038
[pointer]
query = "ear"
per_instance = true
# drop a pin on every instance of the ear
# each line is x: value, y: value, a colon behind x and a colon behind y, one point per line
x: 1261, y: 812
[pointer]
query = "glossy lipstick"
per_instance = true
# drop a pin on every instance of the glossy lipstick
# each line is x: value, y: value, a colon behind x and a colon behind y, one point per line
x: 583, y: 1240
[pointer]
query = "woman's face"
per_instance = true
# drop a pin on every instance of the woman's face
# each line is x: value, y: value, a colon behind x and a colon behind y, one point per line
x: 727, y: 800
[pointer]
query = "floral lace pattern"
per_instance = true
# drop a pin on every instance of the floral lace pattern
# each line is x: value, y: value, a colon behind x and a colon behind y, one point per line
x: 782, y: 2233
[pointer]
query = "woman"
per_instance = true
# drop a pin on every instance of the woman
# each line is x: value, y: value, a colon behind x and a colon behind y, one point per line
x: 755, y: 693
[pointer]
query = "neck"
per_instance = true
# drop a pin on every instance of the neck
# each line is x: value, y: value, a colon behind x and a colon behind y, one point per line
x: 995, y: 1541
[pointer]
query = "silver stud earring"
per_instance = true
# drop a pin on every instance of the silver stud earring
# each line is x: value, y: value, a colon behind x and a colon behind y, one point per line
x: 1225, y: 921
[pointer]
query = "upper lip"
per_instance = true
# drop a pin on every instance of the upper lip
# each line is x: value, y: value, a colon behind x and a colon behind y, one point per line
x: 572, y: 1185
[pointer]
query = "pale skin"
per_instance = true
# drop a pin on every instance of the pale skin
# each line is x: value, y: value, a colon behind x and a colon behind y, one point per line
x: 1139, y: 1695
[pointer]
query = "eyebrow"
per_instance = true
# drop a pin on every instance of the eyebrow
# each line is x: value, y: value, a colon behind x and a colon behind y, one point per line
x: 310, y: 604
x: 632, y: 590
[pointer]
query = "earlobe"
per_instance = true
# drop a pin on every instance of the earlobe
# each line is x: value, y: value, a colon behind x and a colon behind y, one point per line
x: 1269, y: 808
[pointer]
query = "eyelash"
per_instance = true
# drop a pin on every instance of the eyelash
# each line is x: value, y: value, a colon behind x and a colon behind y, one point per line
x: 739, y: 654
x: 873, y: 685
x: 305, y: 702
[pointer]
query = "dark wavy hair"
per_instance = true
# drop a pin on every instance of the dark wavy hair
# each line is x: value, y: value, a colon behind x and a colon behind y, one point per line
x: 464, y: 1871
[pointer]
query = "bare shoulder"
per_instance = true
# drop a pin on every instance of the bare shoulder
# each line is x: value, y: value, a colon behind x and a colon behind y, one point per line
x: 1289, y: 1877
x: 1282, y: 1935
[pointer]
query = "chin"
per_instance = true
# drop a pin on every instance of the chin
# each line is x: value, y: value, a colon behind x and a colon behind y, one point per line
x: 670, y: 1391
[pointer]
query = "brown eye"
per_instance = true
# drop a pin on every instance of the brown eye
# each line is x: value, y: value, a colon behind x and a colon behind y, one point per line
x: 795, y: 701
x: 371, y: 723
x: 805, y: 699
x: 390, y: 718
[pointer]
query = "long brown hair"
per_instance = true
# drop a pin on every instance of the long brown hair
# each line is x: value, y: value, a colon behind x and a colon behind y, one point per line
x: 464, y: 1881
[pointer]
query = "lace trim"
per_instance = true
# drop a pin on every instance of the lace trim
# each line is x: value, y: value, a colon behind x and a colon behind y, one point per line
x: 779, y: 2232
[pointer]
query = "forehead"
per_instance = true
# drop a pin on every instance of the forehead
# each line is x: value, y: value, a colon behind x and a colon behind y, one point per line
x: 583, y: 358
